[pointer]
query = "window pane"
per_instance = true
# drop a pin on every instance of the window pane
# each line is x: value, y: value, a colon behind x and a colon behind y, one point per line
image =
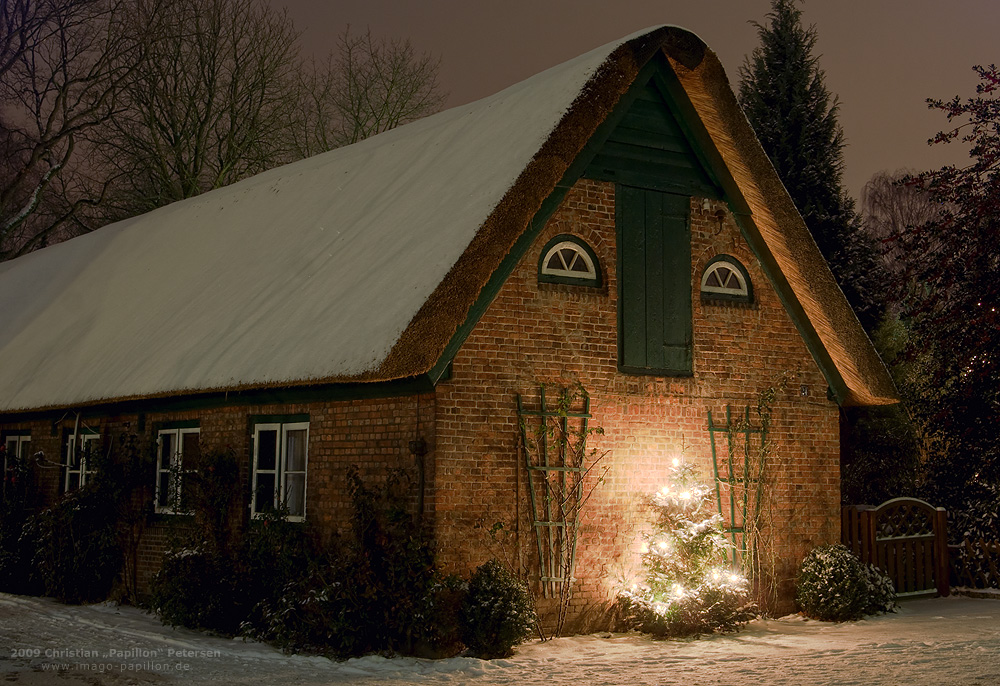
x: 267, y: 449
x: 25, y: 447
x: 295, y: 450
x: 186, y: 485
x: 163, y: 490
x: 295, y: 494
x: 713, y: 280
x: 167, y: 450
x: 554, y: 262
x: 264, y: 496
x: 74, y: 482
x: 191, y: 450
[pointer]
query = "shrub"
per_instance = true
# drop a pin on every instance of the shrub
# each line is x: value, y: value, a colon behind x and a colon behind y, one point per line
x: 77, y: 551
x: 497, y: 613
x: 196, y: 588
x: 834, y: 585
x: 16, y: 550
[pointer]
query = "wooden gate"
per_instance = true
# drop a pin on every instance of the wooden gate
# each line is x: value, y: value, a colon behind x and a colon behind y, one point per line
x: 906, y: 538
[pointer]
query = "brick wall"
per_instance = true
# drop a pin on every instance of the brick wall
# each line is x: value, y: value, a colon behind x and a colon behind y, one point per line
x: 372, y: 433
x: 555, y: 334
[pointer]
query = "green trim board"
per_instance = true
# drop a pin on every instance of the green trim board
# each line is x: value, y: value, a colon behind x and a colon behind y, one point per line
x: 658, y: 72
x: 650, y: 148
x: 327, y: 392
x: 577, y: 169
x: 740, y: 209
x: 298, y: 418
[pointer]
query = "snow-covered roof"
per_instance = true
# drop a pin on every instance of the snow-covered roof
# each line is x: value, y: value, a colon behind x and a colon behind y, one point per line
x: 354, y: 265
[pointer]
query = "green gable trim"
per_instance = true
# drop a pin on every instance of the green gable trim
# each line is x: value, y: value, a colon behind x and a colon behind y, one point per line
x: 575, y: 171
x: 703, y: 148
x: 317, y: 393
x: 733, y: 196
x: 650, y: 147
x: 792, y: 306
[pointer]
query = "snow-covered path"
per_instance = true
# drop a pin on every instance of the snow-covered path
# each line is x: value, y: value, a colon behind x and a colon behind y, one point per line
x: 937, y: 641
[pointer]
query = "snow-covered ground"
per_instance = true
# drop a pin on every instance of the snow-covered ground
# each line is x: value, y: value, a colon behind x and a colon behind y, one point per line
x: 937, y: 641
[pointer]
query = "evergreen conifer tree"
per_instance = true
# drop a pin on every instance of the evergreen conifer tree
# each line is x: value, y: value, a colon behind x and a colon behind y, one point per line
x: 689, y: 586
x: 783, y: 94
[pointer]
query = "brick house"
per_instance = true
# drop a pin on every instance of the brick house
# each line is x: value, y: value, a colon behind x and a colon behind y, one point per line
x: 610, y: 224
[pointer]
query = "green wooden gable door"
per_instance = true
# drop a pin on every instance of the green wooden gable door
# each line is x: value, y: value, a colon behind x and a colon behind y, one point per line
x: 654, y: 282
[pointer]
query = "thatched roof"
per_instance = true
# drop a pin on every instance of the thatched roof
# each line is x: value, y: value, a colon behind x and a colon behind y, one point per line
x: 361, y: 264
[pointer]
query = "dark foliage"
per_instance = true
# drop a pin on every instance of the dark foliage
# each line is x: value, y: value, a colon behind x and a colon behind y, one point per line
x: 834, y: 585
x: 954, y: 260
x: 16, y: 551
x: 87, y: 542
x: 77, y: 553
x: 783, y: 94
x: 497, y: 613
x: 880, y: 455
x: 380, y: 591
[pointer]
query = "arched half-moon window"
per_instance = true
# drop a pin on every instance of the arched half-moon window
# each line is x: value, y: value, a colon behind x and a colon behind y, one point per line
x: 567, y: 259
x: 725, y: 278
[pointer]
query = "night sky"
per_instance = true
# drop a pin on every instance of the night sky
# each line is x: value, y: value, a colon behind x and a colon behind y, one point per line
x: 883, y: 58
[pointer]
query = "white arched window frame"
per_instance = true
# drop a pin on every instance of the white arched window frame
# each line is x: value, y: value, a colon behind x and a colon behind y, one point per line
x: 567, y: 259
x: 725, y: 278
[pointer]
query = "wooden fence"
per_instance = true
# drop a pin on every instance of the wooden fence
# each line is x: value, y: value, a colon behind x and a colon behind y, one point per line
x: 906, y: 538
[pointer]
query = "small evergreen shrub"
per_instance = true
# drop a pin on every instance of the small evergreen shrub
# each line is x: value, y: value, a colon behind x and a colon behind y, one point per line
x: 77, y: 553
x: 497, y: 613
x: 196, y: 588
x: 834, y: 585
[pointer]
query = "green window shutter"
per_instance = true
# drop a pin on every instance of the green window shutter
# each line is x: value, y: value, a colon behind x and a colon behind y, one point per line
x: 654, y: 282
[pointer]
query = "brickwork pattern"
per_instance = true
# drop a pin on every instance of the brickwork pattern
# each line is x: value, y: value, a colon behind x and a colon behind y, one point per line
x: 373, y: 434
x: 555, y: 334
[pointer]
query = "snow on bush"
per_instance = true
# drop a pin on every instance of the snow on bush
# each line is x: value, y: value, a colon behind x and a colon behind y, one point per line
x: 834, y: 585
x: 497, y: 614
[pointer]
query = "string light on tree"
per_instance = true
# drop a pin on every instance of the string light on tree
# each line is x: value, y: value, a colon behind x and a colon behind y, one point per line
x: 686, y: 589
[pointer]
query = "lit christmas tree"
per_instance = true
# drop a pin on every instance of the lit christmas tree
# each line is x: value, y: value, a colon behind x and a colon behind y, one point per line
x: 688, y: 586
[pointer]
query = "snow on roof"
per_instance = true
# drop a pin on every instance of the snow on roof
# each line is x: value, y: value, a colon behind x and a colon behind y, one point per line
x: 308, y: 271
x: 361, y: 264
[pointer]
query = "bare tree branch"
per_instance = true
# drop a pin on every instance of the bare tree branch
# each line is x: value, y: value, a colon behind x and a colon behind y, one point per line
x: 60, y: 66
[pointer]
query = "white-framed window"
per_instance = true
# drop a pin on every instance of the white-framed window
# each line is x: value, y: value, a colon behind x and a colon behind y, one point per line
x: 280, y: 455
x: 177, y: 453
x: 568, y: 259
x: 725, y: 278
x: 81, y: 448
x: 17, y: 449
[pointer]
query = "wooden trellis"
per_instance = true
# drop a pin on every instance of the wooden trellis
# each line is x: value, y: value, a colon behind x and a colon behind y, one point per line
x: 553, y: 440
x: 738, y: 478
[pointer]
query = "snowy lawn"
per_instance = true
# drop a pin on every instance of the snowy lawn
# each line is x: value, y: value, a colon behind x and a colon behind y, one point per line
x: 937, y: 641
